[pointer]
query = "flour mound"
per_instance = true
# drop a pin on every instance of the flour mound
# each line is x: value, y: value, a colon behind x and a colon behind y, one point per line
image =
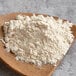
x: 38, y: 39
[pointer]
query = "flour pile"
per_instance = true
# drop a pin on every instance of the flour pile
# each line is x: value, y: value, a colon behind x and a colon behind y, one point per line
x: 38, y: 39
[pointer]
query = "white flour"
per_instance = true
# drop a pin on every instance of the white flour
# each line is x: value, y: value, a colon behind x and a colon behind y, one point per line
x: 38, y: 39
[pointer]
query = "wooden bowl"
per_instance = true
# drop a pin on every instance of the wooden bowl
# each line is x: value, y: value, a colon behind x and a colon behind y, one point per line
x: 26, y: 69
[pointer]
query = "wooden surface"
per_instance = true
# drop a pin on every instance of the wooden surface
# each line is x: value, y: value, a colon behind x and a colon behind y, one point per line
x: 21, y: 67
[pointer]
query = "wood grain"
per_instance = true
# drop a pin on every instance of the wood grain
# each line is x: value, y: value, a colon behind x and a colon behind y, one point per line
x: 26, y: 69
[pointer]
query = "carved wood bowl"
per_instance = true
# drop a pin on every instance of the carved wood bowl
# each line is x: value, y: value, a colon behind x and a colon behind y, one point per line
x: 26, y: 69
